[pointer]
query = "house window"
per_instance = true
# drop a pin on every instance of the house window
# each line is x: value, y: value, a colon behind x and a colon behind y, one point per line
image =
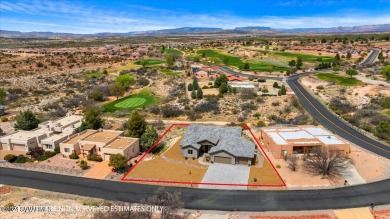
x: 67, y: 150
x: 99, y: 149
x: 48, y: 146
x: 190, y: 151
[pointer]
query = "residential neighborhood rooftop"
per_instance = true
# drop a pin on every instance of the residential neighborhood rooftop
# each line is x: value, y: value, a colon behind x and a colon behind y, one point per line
x: 121, y: 142
x: 103, y: 136
x: 79, y: 136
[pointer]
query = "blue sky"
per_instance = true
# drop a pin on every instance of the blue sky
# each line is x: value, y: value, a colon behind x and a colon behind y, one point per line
x: 87, y: 16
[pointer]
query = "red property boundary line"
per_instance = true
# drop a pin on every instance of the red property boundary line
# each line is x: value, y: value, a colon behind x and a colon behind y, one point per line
x: 201, y: 183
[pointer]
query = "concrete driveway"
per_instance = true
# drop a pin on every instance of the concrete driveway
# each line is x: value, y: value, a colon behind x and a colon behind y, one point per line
x: 352, y: 176
x: 226, y: 174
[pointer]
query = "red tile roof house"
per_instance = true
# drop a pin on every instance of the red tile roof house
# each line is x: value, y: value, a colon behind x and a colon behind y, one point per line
x: 223, y: 144
x: 234, y: 78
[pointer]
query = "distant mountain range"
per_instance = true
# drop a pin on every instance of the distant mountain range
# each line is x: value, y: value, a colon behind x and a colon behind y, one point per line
x: 205, y: 30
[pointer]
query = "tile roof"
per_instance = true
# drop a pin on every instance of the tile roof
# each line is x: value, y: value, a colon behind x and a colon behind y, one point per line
x: 226, y: 139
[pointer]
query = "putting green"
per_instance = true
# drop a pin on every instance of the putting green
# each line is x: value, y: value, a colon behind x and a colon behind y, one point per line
x: 130, y: 102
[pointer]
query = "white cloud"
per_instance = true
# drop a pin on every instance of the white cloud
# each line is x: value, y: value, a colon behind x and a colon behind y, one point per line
x: 72, y: 16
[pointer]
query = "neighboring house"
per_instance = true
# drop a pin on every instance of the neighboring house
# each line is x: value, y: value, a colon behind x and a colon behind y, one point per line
x: 201, y: 74
x: 48, y: 135
x: 234, y: 78
x: 244, y: 87
x: 223, y: 144
x: 102, y: 143
x: 300, y: 140
x: 2, y: 110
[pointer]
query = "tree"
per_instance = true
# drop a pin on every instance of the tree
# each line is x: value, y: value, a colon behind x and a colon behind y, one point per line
x: 105, y: 72
x: 381, y: 57
x: 386, y: 72
x: 336, y: 68
x: 170, y: 61
x: 383, y: 130
x: 199, y: 93
x: 118, y: 162
x: 351, y: 72
x: 92, y: 119
x: 97, y: 95
x: 299, y: 63
x: 190, y: 87
x: 223, y: 89
x: 293, y: 162
x: 326, y: 162
x: 136, y: 125
x: 337, y: 58
x: 148, y: 138
x: 3, y: 95
x: 26, y: 120
x: 219, y: 80
x: 193, y: 94
x: 125, y: 80
x: 246, y: 66
x: 292, y: 63
x: 195, y: 84
x: 117, y: 90
x: 275, y: 85
x: 283, y: 90
x: 37, y: 152
x: 323, y: 40
x: 170, y: 201
x: 349, y: 55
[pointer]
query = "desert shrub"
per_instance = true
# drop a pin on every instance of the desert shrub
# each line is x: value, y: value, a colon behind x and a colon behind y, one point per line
x: 248, y: 106
x: 154, y: 109
x: 192, y: 115
x: 261, y: 123
x: 260, y: 100
x: 278, y: 166
x: 208, y: 105
x: 83, y: 164
x: 320, y: 87
x: 341, y: 107
x: 37, y: 152
x: 276, y: 103
x: 9, y: 206
x: 21, y: 159
x: 50, y: 153
x: 10, y: 158
x: 74, y: 156
x: 94, y: 157
x: 169, y: 110
x: 382, y: 130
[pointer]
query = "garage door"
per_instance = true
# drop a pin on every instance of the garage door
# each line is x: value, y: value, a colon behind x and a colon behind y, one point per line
x: 227, y: 160
x: 107, y: 156
x: 19, y: 147
x: 242, y: 160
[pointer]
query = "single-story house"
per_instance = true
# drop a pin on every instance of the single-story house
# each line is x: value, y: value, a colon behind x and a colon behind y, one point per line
x: 223, y: 144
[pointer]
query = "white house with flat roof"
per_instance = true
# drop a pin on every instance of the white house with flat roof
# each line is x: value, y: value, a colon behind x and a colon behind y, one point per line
x: 48, y: 135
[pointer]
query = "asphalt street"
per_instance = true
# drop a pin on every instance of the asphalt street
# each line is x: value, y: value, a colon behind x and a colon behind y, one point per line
x: 224, y: 200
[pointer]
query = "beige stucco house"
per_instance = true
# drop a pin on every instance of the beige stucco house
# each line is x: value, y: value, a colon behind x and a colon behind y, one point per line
x: 102, y: 143
x: 300, y: 140
x: 48, y: 135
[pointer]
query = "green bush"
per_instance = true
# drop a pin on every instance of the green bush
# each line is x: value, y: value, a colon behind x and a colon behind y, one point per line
x: 21, y: 159
x: 57, y: 150
x: 50, y: 153
x: 42, y: 158
x: 74, y: 156
x: 83, y: 164
x: 94, y: 157
x: 278, y: 166
x: 10, y: 158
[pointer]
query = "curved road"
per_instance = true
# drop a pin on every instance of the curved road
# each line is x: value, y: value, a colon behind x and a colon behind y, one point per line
x: 205, y: 199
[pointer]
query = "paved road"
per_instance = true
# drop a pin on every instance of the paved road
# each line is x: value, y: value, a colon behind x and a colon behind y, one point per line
x: 370, y: 59
x: 333, y: 122
x: 224, y: 200
x: 230, y: 71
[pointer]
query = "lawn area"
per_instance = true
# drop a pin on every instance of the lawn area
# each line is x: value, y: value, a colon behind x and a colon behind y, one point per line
x: 264, y: 175
x: 94, y: 74
x: 173, y: 52
x: 149, y: 62
x: 231, y: 60
x: 304, y: 57
x: 128, y: 66
x: 143, y: 98
x: 340, y: 80
x: 169, y: 72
